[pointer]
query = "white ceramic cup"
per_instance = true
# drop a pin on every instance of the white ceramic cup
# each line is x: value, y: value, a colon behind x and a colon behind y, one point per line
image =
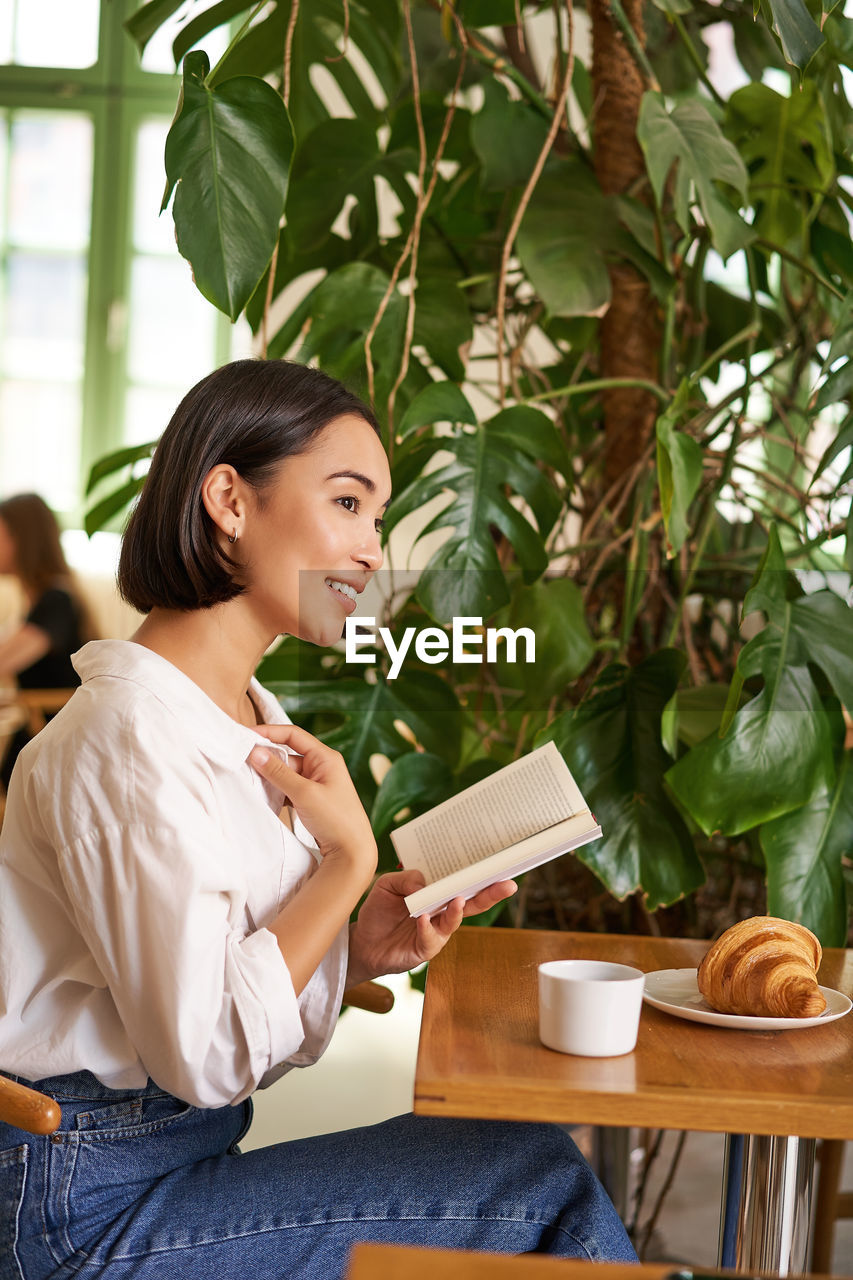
x: 589, y: 1007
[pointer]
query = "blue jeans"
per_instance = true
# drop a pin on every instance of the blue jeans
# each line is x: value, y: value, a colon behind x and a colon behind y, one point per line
x: 138, y: 1184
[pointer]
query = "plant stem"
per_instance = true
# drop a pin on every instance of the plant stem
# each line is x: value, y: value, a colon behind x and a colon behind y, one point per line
x: 485, y: 53
x: 704, y: 532
x: 693, y: 55
x: 525, y: 198
x: 803, y: 266
x: 750, y: 331
x: 211, y: 75
x: 666, y: 341
x: 600, y: 384
x: 697, y: 301
x: 495, y: 62
x: 288, y: 52
x: 285, y: 94
x: 750, y: 351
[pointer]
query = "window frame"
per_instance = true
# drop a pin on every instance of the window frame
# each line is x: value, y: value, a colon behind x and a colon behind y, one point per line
x: 119, y: 96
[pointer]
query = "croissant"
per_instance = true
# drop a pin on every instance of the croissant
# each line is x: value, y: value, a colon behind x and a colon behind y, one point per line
x: 764, y: 967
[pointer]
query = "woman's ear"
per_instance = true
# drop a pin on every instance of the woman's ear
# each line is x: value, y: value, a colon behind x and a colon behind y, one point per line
x: 222, y: 495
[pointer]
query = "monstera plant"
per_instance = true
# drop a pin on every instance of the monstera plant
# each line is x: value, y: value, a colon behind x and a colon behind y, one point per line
x: 601, y: 305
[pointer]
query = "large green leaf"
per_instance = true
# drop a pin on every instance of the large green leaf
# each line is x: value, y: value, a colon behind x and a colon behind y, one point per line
x: 343, y: 308
x: 297, y: 660
x: 798, y: 32
x: 338, y: 159
x: 690, y: 139
x: 612, y: 743
x: 415, y: 781
x: 488, y: 13
x: 842, y: 336
x: 464, y: 576
x: 570, y: 232
x: 205, y: 22
x: 842, y: 441
x: 371, y: 26
x: 369, y: 715
x: 773, y: 754
x: 148, y: 19
x: 103, y: 513
x: 830, y: 244
x: 692, y: 714
x: 553, y: 610
x: 816, y: 629
x: 443, y: 324
x: 837, y: 387
x: 803, y: 852
x: 506, y: 134
x: 785, y: 145
x: 112, y: 462
x: 439, y: 402
x: 228, y: 151
x: 679, y: 462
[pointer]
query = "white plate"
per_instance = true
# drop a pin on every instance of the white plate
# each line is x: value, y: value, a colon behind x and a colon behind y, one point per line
x: 676, y: 991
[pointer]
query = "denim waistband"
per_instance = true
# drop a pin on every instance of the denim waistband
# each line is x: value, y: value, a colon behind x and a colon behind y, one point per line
x: 83, y: 1086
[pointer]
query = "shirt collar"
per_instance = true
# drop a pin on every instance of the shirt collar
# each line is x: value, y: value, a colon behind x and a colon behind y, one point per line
x: 217, y: 736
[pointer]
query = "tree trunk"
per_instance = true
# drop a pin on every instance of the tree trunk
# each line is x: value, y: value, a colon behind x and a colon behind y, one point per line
x: 630, y: 330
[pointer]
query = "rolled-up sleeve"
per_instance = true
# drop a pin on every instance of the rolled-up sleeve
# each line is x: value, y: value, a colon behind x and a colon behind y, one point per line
x: 204, y: 997
x: 208, y: 1007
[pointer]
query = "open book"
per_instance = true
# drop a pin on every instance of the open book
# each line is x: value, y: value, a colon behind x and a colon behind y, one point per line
x: 525, y: 814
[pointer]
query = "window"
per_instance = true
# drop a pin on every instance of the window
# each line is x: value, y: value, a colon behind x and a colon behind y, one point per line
x: 49, y: 33
x: 46, y: 160
x: 101, y: 327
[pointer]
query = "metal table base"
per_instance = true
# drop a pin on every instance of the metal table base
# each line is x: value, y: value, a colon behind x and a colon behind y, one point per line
x: 766, y: 1204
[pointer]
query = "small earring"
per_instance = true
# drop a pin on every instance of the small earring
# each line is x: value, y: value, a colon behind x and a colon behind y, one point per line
x: 232, y: 537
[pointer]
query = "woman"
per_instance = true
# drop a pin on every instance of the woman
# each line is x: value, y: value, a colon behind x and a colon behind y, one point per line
x: 170, y: 944
x: 37, y: 655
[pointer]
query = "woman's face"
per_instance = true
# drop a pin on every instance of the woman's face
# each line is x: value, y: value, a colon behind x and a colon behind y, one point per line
x: 8, y: 557
x: 312, y: 542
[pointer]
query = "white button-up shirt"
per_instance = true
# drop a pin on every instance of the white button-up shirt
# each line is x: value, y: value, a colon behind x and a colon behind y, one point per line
x: 141, y: 857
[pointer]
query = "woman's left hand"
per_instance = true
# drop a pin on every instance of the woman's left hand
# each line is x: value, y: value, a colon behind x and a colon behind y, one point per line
x: 386, y: 939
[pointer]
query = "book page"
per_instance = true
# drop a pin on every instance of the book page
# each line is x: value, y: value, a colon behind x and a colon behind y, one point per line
x: 518, y: 801
x: 506, y: 864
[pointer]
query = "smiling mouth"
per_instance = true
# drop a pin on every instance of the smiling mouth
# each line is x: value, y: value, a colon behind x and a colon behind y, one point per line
x: 347, y: 594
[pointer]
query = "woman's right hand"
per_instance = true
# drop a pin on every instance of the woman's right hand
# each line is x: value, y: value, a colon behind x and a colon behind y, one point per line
x: 317, y: 784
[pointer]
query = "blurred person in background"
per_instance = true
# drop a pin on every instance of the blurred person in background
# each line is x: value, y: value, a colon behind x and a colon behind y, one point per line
x: 37, y: 653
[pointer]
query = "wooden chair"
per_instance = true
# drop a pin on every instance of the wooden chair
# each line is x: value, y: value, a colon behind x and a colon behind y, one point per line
x: 401, y: 1262
x: 831, y: 1203
x: 30, y: 709
x: 27, y: 1109
x: 37, y: 704
x: 35, y: 1112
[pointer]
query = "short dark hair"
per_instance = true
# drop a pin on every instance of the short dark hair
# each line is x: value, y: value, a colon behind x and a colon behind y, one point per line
x: 251, y: 414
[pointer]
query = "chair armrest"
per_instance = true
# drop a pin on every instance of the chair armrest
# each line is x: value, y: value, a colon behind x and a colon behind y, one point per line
x: 25, y: 1108
x: 371, y: 996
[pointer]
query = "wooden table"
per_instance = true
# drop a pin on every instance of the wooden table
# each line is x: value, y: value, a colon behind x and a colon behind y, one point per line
x: 774, y: 1093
